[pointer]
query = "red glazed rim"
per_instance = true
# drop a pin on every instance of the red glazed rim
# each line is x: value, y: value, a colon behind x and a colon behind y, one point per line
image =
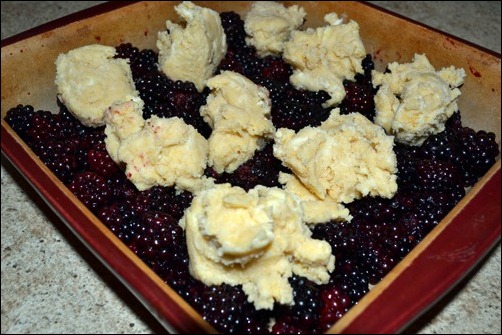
x: 451, y: 250
x: 400, y: 298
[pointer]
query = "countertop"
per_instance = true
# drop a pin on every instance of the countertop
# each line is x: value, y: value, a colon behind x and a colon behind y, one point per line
x: 52, y: 284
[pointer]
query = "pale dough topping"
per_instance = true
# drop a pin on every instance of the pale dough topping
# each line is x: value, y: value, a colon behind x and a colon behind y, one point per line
x: 268, y: 25
x: 316, y: 210
x: 192, y: 53
x: 323, y: 57
x: 414, y: 100
x: 89, y: 80
x: 166, y: 152
x: 256, y: 239
x: 346, y: 158
x: 239, y: 113
x: 122, y: 120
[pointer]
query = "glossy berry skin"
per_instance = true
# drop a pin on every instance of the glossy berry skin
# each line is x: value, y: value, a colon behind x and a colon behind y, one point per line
x: 359, y: 97
x: 20, y: 119
x: 91, y: 189
x: 335, y: 303
x: 100, y: 162
x: 262, y: 169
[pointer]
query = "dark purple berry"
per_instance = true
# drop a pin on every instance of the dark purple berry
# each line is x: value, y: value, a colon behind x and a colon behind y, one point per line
x: 91, y: 189
x: 19, y: 119
x: 436, y: 175
x: 100, y: 162
x: 233, y: 26
x: 359, y: 97
x: 262, y: 169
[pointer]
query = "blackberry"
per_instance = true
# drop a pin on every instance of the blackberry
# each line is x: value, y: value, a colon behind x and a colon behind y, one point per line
x: 19, y: 119
x: 153, y: 88
x: 144, y: 64
x: 276, y: 89
x: 440, y: 147
x: 174, y: 272
x: 351, y: 277
x: 71, y: 125
x: 225, y: 307
x: 378, y: 260
x: 396, y: 237
x: 415, y: 231
x: 158, y: 234
x: 297, y: 116
x: 305, y: 312
x: 262, y: 169
x: 304, y: 97
x: 186, y: 102
x: 335, y: 303
x: 343, y: 237
x: 233, y: 26
x: 368, y: 65
x: 240, y: 57
x: 100, y: 161
x: 162, y: 110
x: 255, y: 323
x: 315, y: 99
x: 61, y: 157
x: 406, y: 157
x: 282, y: 326
x: 276, y: 69
x: 191, y: 117
x: 291, y: 115
x: 91, y: 189
x: 472, y: 152
x: 433, y: 206
x: 359, y: 97
x: 454, y: 123
x: 436, y: 175
x: 64, y: 166
x: 164, y: 199
x: 176, y: 99
x: 121, y: 188
x: 126, y: 51
x: 181, y: 200
x: 91, y: 138
x: 45, y: 126
x: 377, y: 210
x: 121, y: 220
x: 478, y: 152
x: 252, y: 65
x: 230, y: 63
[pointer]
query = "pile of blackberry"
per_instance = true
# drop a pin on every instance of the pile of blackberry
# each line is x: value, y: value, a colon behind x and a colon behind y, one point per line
x: 431, y: 180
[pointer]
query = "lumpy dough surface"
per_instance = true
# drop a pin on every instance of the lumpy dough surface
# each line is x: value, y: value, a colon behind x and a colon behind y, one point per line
x: 256, y: 239
x: 166, y: 152
x: 269, y: 25
x: 323, y: 57
x: 89, y: 80
x: 346, y: 158
x: 122, y: 120
x: 192, y: 53
x: 239, y: 112
x: 414, y: 100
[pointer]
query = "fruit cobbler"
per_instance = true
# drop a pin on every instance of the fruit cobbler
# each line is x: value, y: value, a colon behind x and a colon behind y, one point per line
x: 266, y: 172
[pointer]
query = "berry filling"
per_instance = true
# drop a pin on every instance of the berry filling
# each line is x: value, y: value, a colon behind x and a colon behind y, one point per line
x: 431, y: 180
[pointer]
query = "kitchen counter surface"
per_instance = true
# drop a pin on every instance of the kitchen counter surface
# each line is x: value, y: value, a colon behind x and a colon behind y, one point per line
x: 52, y: 284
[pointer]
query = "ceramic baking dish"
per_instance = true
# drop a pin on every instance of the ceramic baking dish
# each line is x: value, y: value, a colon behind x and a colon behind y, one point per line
x: 429, y: 271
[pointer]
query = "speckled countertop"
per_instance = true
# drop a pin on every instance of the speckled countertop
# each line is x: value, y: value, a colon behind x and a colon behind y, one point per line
x: 52, y: 284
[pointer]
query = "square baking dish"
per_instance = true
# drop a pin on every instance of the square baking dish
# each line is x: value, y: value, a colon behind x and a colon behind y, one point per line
x: 429, y: 271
